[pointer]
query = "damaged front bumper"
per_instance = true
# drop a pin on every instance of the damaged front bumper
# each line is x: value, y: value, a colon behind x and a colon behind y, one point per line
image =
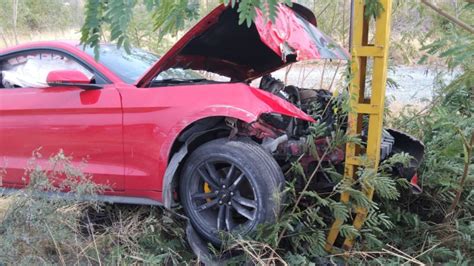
x: 309, y: 151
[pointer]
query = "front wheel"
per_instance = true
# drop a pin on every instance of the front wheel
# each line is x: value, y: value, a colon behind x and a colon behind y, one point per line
x: 230, y: 186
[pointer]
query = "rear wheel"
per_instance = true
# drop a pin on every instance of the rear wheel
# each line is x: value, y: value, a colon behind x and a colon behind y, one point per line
x: 230, y: 186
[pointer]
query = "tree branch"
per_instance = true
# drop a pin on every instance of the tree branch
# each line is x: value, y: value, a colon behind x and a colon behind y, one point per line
x: 467, y: 161
x: 451, y: 18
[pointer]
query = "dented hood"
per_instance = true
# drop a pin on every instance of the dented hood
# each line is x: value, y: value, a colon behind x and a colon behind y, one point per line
x: 220, y: 45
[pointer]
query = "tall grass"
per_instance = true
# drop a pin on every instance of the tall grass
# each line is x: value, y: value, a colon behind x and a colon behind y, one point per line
x: 41, y: 229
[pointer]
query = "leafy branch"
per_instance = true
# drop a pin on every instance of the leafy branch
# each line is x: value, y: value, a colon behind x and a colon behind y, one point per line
x: 169, y: 17
x: 373, y: 8
x: 468, y: 147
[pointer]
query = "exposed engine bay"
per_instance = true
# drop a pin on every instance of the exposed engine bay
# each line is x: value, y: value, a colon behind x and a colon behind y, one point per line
x: 293, y: 143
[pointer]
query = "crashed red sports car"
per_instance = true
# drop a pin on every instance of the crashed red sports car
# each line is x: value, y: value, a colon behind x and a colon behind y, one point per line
x: 157, y: 132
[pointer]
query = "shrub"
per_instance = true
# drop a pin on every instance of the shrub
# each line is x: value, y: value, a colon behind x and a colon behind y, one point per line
x: 43, y: 227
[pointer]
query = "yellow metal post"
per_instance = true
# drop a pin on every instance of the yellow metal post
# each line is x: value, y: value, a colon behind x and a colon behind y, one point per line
x: 372, y: 107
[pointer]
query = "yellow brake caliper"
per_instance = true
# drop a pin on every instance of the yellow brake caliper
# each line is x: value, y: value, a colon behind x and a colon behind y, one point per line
x: 207, y: 189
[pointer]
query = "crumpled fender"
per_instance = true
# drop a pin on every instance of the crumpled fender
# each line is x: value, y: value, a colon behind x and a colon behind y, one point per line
x: 248, y: 105
x: 236, y: 100
x: 281, y: 106
x: 264, y: 102
x: 245, y: 103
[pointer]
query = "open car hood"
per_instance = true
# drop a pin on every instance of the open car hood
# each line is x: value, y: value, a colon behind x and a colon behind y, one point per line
x: 220, y: 45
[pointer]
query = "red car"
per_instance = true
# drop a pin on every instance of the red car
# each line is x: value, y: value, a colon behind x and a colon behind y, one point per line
x: 155, y: 131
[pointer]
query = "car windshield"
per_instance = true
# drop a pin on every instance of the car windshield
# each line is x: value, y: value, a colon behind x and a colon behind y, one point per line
x: 131, y: 66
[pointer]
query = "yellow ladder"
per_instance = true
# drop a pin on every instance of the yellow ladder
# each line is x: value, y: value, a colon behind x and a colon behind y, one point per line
x: 374, y: 107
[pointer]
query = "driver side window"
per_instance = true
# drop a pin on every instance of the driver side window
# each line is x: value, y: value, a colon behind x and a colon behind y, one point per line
x: 30, y: 70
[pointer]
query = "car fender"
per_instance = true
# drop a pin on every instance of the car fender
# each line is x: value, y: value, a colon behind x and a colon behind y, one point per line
x: 173, y: 166
x: 159, y: 115
x: 208, y: 112
x: 261, y: 102
x: 238, y: 101
x: 177, y: 158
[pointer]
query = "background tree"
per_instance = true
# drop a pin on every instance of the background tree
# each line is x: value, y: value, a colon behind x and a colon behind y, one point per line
x: 31, y: 17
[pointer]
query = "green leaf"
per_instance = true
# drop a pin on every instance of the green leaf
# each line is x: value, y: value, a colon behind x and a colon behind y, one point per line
x: 373, y: 8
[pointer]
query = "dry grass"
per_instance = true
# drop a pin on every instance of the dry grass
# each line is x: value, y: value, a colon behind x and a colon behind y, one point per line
x: 4, y: 203
x: 71, y: 34
x: 35, y: 229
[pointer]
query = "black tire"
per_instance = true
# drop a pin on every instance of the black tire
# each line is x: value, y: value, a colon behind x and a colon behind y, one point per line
x: 237, y: 202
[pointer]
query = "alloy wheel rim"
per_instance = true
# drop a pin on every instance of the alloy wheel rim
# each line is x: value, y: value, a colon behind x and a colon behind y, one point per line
x: 230, y: 202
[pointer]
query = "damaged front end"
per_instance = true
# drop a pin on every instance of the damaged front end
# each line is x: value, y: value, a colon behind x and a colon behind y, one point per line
x: 218, y: 44
x: 290, y: 139
x: 292, y: 124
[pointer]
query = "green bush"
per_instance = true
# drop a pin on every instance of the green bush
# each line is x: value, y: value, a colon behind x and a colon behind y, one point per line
x: 43, y: 229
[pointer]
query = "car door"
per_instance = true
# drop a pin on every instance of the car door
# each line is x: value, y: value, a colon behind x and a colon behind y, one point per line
x: 84, y: 124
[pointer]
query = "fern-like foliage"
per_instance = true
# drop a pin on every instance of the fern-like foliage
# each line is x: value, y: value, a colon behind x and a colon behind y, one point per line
x: 373, y: 8
x: 92, y: 29
x: 169, y: 16
x: 119, y: 14
x: 247, y: 8
x: 115, y: 16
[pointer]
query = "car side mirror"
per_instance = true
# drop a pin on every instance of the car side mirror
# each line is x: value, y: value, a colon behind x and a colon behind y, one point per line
x: 70, y: 78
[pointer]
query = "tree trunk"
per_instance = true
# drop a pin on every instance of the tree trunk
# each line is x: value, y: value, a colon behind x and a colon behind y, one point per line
x: 4, y: 39
x: 15, y: 18
x: 451, y: 18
